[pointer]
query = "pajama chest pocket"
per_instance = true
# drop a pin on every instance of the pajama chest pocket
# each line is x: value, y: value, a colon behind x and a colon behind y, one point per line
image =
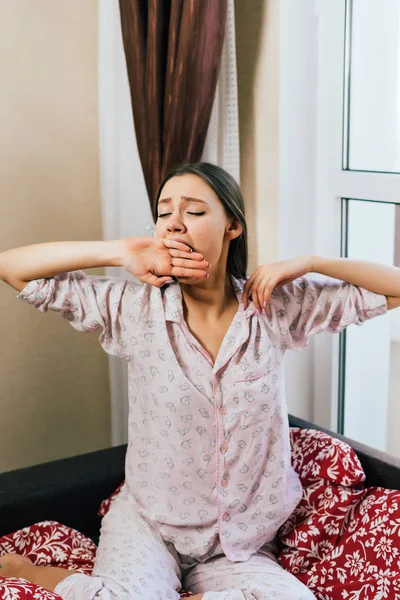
x: 252, y: 372
x: 247, y: 370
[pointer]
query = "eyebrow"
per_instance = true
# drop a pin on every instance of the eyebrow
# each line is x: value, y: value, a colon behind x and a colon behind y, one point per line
x: 186, y: 198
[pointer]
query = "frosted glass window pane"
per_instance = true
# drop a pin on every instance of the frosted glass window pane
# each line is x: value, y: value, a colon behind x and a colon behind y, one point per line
x: 372, y: 358
x: 374, y: 86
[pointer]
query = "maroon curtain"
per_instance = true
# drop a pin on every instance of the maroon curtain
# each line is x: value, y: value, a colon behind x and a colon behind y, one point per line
x: 173, y: 53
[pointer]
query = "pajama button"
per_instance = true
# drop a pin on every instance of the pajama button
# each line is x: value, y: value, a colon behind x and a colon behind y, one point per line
x: 224, y: 483
x: 222, y: 410
x: 224, y: 448
x: 225, y: 517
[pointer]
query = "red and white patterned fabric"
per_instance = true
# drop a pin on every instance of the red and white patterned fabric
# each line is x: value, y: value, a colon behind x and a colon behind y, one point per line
x: 47, y: 544
x: 319, y: 456
x: 51, y: 544
x: 342, y: 541
x: 105, y: 505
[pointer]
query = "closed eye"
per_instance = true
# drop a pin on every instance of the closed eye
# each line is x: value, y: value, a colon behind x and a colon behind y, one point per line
x: 189, y: 213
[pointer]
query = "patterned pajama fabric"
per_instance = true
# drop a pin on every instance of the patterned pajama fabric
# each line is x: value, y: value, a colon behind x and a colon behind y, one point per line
x: 208, y: 466
x: 133, y: 561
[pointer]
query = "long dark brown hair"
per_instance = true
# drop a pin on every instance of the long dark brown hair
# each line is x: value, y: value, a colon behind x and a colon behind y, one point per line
x: 231, y: 198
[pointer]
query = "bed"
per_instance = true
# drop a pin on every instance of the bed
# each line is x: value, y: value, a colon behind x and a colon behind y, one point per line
x: 314, y: 543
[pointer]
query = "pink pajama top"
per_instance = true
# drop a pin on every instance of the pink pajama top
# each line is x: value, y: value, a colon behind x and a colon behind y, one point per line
x: 208, y: 453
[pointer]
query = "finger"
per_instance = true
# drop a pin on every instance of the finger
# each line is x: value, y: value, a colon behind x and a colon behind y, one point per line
x: 261, y: 290
x: 190, y: 264
x: 180, y: 254
x: 259, y: 297
x: 182, y: 272
x: 165, y: 280
x: 179, y: 245
x: 246, y: 290
x: 154, y: 280
x: 254, y: 292
x: 268, y: 291
x: 263, y: 293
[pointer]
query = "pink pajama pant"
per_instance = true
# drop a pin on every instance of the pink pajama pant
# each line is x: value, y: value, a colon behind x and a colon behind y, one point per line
x: 134, y: 563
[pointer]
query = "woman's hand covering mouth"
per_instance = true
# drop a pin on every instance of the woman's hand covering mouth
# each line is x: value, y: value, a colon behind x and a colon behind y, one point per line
x: 182, y: 242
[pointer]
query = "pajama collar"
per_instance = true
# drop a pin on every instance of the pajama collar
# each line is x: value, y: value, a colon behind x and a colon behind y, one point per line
x: 172, y: 297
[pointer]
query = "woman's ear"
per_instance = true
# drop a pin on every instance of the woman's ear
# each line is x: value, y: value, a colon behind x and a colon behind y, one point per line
x: 234, y: 229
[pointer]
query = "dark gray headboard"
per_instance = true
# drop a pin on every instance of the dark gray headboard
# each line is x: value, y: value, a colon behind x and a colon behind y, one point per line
x: 70, y: 490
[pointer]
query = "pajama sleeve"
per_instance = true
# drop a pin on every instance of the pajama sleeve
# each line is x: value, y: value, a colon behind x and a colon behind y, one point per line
x: 90, y: 303
x: 308, y: 306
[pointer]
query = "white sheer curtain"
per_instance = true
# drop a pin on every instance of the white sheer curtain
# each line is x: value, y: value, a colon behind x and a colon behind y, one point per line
x: 125, y: 204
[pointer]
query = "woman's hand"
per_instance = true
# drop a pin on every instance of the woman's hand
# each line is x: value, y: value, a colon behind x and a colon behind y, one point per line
x: 154, y: 260
x: 266, y: 277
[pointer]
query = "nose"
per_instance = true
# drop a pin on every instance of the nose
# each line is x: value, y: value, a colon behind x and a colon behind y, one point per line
x: 175, y: 223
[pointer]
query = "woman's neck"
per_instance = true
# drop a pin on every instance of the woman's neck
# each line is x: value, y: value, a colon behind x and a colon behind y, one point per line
x: 211, y: 299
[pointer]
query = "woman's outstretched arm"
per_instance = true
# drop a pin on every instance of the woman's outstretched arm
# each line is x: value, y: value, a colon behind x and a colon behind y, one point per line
x: 152, y: 260
x: 374, y: 277
x: 377, y: 278
x: 20, y: 265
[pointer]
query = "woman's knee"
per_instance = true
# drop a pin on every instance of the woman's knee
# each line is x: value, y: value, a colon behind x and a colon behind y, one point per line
x: 295, y: 591
x: 87, y: 587
x: 260, y: 593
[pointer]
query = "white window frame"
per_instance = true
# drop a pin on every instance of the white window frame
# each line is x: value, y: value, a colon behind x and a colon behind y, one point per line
x: 333, y: 183
x: 312, y: 182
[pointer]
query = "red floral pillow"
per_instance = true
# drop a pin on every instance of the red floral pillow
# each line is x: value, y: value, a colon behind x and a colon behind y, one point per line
x: 20, y: 589
x: 51, y: 544
x: 342, y: 541
x: 319, y: 456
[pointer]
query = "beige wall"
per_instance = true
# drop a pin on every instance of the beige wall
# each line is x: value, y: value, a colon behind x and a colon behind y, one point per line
x: 54, y: 395
x: 258, y: 89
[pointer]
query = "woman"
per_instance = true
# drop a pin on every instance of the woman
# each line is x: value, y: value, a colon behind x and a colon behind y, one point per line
x: 208, y: 474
